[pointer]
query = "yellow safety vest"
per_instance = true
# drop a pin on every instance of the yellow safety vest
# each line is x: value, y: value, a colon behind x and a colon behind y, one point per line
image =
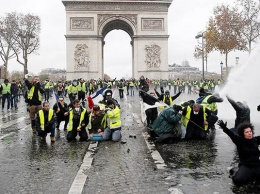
x: 185, y: 119
x: 171, y: 103
x: 30, y: 94
x: 6, y: 88
x: 131, y: 84
x: 41, y: 115
x: 114, y: 118
x: 70, y: 124
x: 82, y: 87
x: 213, y: 106
x: 47, y: 85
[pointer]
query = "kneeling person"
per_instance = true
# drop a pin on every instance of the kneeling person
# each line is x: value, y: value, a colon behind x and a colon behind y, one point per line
x: 167, y: 126
x: 97, y: 123
x: 113, y: 132
x: 78, y: 120
x: 45, y: 122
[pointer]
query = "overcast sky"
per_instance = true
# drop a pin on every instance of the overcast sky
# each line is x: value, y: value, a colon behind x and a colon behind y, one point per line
x: 186, y: 18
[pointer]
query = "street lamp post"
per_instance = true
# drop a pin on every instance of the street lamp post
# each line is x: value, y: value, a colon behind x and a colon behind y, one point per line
x: 221, y: 65
x: 201, y: 35
x: 237, y: 59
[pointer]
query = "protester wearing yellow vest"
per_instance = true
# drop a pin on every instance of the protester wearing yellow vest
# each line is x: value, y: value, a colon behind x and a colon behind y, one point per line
x: 195, y: 121
x: 132, y: 89
x: 113, y: 131
x: 78, y: 121
x: 166, y: 98
x: 34, y: 100
x: 5, y: 89
x: 73, y: 90
x: 82, y: 91
x: 47, y: 90
x: 120, y: 87
x: 45, y: 122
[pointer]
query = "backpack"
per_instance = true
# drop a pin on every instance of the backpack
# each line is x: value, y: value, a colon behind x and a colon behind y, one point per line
x: 120, y: 85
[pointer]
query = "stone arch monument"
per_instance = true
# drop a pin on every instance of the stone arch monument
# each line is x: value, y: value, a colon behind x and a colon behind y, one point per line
x: 89, y: 21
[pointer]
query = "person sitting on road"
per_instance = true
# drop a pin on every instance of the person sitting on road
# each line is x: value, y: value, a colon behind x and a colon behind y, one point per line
x: 78, y: 120
x: 166, y: 126
x: 62, y: 112
x: 195, y: 121
x: 242, y: 112
x: 113, y: 113
x: 248, y: 152
x: 45, y: 122
x: 97, y: 124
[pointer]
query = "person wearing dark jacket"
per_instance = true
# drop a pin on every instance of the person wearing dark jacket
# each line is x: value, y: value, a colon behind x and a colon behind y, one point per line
x: 14, y: 94
x: 248, y: 152
x: 166, y: 126
x: 166, y: 97
x: 258, y: 108
x: 5, y: 90
x: 34, y: 98
x: 242, y: 111
x: 62, y: 112
x: 195, y: 121
x: 78, y: 121
x: 45, y: 122
x: 143, y: 84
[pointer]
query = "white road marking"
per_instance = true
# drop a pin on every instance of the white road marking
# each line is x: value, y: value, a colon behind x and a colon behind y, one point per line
x: 80, y: 179
x: 12, y: 122
x: 158, y: 160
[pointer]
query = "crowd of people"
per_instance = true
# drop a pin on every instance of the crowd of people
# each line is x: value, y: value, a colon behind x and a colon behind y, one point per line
x: 192, y: 119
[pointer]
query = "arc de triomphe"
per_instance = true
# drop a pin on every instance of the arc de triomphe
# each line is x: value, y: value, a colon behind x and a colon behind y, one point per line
x: 89, y: 21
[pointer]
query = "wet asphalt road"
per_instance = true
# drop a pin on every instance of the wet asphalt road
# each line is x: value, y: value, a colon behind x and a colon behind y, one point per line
x: 31, y: 166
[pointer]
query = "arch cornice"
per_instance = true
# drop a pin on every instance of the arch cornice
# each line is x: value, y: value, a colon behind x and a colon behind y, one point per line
x: 150, y: 6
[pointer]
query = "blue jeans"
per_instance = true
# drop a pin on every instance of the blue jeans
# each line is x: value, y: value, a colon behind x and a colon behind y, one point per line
x: 14, y: 101
x: 112, y: 134
x: 132, y: 91
x: 96, y: 137
x: 8, y: 97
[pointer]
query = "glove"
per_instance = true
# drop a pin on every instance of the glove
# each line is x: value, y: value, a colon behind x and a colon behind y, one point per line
x: 258, y: 108
x: 222, y: 125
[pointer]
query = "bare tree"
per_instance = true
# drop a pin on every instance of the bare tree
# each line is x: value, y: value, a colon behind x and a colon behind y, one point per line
x: 250, y: 13
x: 27, y: 28
x: 224, y: 31
x: 7, y: 41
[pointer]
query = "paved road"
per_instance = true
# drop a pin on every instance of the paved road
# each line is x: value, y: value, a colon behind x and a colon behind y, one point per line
x: 137, y: 166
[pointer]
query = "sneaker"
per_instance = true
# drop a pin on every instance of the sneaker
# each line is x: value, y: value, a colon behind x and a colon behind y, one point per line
x: 52, y: 139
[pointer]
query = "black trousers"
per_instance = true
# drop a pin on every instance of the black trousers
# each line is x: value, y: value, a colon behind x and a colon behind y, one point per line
x: 195, y: 133
x: 151, y: 115
x: 62, y: 118
x: 121, y: 93
x: 245, y: 174
x: 73, y: 134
